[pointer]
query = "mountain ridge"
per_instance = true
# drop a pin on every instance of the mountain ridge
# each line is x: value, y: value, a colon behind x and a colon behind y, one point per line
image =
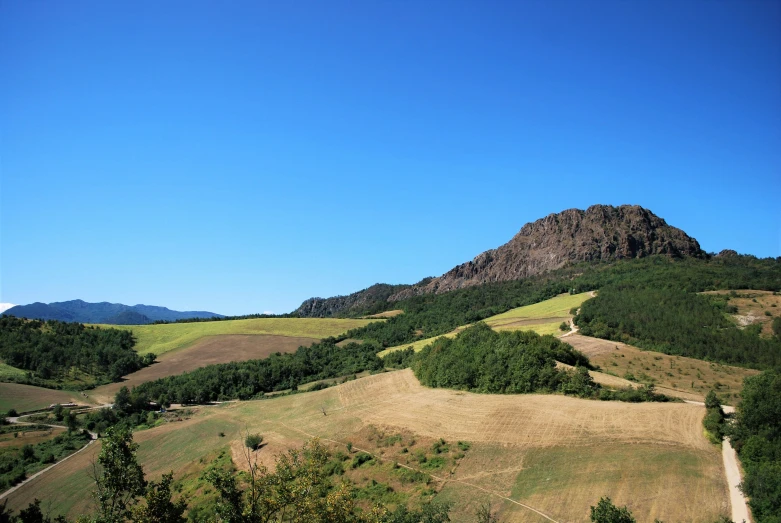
x: 103, y: 312
x: 598, y: 233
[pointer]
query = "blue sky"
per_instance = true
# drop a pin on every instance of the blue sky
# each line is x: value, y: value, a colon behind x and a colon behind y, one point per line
x: 241, y: 158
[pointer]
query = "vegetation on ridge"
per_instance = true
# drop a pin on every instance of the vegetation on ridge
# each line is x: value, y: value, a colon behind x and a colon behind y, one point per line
x: 61, y: 355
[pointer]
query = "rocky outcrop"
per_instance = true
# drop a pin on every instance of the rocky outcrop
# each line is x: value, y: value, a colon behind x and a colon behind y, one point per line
x: 340, y: 305
x: 600, y: 233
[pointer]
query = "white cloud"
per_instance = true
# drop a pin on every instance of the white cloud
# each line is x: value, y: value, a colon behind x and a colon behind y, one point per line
x: 268, y: 312
x: 5, y: 306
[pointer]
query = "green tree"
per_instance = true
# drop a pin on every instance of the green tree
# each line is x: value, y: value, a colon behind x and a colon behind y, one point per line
x: 118, y: 476
x: 158, y: 507
x: 298, y: 491
x: 607, y: 512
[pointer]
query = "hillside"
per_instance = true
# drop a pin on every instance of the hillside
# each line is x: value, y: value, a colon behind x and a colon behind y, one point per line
x: 601, y: 233
x: 363, y: 302
x: 110, y: 313
x: 553, y: 453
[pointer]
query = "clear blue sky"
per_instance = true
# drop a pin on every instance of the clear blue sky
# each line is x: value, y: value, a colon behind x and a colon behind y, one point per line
x: 240, y: 157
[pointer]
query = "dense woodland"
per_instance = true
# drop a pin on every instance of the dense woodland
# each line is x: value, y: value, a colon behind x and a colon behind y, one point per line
x: 676, y: 322
x: 756, y: 435
x: 55, y: 351
x: 434, y: 314
x: 248, y: 379
x: 480, y: 359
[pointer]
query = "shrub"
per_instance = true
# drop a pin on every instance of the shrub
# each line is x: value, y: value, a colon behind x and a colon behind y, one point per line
x: 253, y: 441
x: 360, y: 459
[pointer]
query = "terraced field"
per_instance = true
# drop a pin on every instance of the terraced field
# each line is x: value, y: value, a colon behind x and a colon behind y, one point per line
x: 552, y: 453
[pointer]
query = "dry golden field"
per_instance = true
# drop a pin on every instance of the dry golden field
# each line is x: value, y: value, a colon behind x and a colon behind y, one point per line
x: 554, y: 454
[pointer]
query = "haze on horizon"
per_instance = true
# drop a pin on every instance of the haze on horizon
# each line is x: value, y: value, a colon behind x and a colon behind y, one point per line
x: 243, y: 158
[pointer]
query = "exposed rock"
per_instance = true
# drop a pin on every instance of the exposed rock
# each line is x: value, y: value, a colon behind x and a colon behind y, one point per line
x: 357, y: 301
x: 600, y: 233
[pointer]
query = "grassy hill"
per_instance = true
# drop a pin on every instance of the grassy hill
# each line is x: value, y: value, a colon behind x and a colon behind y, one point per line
x: 543, y: 318
x: 555, y: 454
x: 163, y: 338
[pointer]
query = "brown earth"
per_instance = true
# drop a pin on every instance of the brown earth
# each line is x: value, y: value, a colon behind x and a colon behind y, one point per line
x: 677, y: 376
x: 208, y: 351
x: 754, y: 307
x: 28, y: 437
x: 512, y: 436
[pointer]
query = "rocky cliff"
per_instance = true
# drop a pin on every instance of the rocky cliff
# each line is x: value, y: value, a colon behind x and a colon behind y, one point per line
x: 600, y: 233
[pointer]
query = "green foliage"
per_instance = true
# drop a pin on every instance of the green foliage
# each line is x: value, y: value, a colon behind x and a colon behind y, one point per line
x: 360, y: 459
x: 428, y: 513
x: 675, y: 322
x: 253, y: 441
x: 120, y: 479
x: 756, y: 434
x: 52, y: 350
x: 18, y: 463
x: 299, y: 491
x: 482, y: 360
x: 399, y: 359
x: 158, y: 506
x: 607, y: 512
x: 776, y: 325
x: 435, y: 314
x: 247, y: 379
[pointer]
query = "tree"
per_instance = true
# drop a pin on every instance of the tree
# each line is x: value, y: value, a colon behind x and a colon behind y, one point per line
x: 607, y: 512
x: 159, y: 508
x: 118, y: 476
x: 484, y: 514
x: 298, y: 491
x: 253, y: 441
x: 712, y: 401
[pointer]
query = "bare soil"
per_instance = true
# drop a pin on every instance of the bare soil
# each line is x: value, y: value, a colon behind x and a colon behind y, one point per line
x: 677, y: 376
x: 208, y: 351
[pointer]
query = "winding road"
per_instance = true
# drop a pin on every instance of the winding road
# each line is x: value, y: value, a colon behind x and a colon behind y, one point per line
x: 69, y: 456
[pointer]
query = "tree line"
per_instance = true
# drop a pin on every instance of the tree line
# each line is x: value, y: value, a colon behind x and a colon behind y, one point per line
x: 673, y: 321
x: 249, y: 379
x: 756, y: 435
x: 54, y: 351
x: 480, y: 359
x: 431, y: 315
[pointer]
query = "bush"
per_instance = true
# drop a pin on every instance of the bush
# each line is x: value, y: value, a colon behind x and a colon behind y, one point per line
x: 607, y: 512
x: 253, y: 441
x: 360, y: 459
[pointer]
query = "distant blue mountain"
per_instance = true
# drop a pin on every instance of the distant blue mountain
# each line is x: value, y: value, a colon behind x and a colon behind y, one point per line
x: 104, y: 312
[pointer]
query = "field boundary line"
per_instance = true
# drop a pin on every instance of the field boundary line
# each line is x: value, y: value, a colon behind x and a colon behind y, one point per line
x: 443, y: 480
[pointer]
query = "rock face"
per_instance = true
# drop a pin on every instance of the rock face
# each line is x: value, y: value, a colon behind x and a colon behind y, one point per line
x: 361, y: 300
x: 600, y: 233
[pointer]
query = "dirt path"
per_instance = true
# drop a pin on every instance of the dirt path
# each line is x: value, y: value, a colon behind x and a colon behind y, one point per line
x: 736, y: 498
x: 40, y: 472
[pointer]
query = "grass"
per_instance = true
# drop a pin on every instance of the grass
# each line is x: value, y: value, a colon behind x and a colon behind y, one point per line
x: 557, y: 307
x: 24, y: 398
x: 543, y: 318
x: 9, y: 373
x: 163, y: 338
x: 668, y: 373
x: 754, y: 307
x: 385, y: 413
